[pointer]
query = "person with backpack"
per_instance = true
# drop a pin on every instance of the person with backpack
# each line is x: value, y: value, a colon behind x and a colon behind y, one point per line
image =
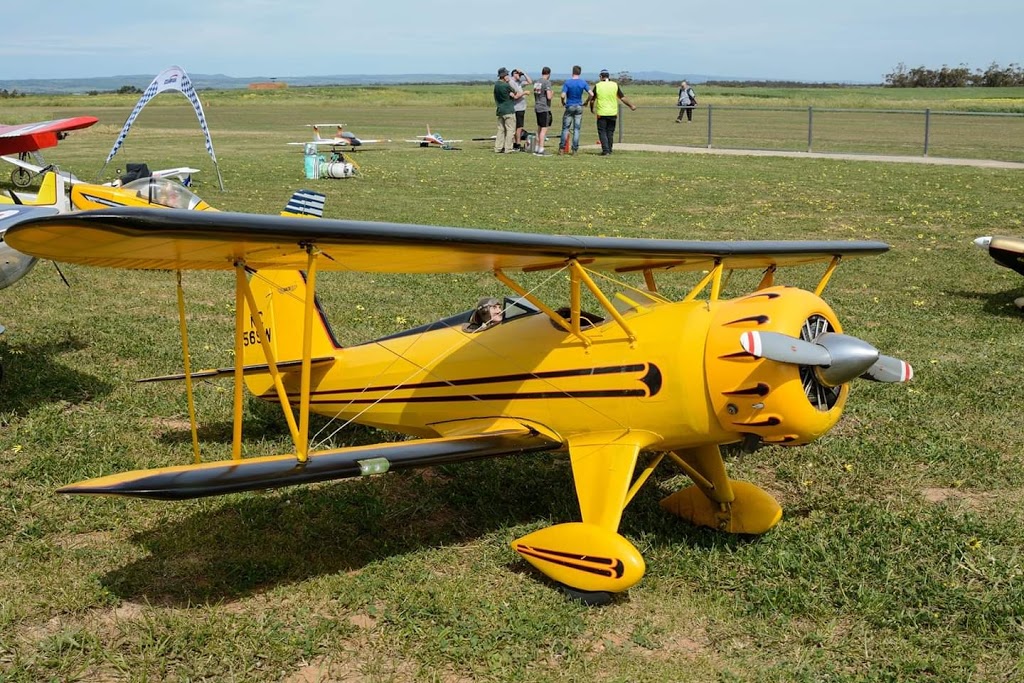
x: 687, y: 101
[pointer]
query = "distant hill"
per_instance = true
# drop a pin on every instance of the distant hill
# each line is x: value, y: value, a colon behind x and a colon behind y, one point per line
x: 222, y: 82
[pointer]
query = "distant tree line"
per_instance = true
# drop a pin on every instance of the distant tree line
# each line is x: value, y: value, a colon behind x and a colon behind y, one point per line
x: 123, y: 90
x: 6, y: 94
x: 961, y: 76
x: 775, y: 84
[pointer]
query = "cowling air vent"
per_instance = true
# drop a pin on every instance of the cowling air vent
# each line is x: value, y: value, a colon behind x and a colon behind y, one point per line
x: 820, y: 396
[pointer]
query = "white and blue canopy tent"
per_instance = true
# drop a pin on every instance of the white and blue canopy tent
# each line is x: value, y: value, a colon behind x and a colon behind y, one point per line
x: 171, y: 78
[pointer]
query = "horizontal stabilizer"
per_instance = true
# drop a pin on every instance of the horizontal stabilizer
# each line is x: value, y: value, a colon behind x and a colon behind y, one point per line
x: 232, y: 476
x: 286, y: 366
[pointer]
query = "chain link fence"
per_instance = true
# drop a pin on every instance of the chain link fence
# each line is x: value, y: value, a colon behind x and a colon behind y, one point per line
x: 954, y: 134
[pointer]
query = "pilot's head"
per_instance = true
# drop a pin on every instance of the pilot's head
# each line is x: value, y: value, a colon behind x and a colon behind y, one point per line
x: 487, y: 302
x: 488, y: 309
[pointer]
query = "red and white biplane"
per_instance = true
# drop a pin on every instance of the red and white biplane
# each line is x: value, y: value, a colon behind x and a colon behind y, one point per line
x: 28, y: 138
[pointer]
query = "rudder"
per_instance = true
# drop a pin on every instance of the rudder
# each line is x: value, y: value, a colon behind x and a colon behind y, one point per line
x: 280, y: 297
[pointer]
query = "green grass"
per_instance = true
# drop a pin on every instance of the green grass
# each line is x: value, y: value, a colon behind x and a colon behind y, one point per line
x: 899, y: 556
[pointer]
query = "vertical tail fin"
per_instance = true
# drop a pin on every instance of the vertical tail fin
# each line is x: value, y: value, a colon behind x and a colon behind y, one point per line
x: 280, y: 297
x: 305, y: 203
x: 48, y: 190
x: 281, y: 302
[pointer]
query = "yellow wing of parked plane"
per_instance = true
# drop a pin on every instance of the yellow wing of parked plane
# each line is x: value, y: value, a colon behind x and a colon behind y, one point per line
x: 676, y: 379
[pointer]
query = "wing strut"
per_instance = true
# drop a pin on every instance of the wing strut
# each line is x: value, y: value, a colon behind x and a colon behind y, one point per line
x: 833, y: 264
x: 268, y: 352
x: 236, y: 432
x: 302, y: 442
x: 188, y: 372
x: 714, y: 277
x: 577, y: 269
x: 543, y: 307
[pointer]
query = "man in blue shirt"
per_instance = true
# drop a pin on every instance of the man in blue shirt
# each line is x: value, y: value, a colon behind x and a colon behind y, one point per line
x: 573, y: 98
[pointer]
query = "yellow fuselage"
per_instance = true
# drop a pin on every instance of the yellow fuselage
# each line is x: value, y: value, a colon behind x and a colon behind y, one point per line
x: 684, y: 378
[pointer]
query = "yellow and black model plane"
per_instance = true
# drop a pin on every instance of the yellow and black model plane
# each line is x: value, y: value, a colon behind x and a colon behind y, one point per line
x: 1008, y: 252
x: 638, y: 381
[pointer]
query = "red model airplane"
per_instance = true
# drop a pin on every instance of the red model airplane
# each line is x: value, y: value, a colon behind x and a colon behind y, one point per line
x: 23, y: 138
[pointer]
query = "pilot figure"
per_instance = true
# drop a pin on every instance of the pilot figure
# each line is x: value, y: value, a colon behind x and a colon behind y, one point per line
x: 487, y: 314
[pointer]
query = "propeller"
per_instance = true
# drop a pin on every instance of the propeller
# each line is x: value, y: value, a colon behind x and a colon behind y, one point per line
x: 837, y: 358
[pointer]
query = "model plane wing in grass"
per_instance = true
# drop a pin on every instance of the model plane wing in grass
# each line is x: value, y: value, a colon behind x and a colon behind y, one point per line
x: 640, y: 374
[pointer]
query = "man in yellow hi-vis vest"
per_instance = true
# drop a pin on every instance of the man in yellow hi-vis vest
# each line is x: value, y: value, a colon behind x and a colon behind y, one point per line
x: 605, y: 104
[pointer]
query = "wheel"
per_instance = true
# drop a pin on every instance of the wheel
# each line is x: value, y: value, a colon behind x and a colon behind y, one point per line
x: 21, y: 177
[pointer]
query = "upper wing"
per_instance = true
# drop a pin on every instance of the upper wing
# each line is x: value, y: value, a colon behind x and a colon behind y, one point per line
x: 30, y: 137
x: 189, y: 240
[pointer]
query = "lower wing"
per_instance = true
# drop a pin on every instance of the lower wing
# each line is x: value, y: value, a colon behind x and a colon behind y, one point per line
x: 250, y: 474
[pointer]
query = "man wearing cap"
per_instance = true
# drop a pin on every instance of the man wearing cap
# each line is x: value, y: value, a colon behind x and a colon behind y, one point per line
x: 520, y: 79
x: 572, y: 97
x: 605, y: 104
x: 504, y: 100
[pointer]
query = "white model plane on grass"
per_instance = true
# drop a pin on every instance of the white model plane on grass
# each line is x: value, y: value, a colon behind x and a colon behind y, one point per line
x: 433, y: 139
x: 342, y: 137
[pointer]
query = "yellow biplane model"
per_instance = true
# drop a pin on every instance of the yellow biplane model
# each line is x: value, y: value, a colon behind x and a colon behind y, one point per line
x: 70, y: 194
x: 675, y: 379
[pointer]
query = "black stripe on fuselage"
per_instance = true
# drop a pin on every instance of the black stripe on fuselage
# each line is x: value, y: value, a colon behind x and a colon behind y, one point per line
x: 513, y: 396
x: 496, y: 379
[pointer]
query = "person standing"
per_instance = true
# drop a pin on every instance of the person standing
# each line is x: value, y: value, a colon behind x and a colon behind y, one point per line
x: 687, y: 101
x: 605, y: 104
x: 573, y: 91
x: 504, y: 101
x: 542, y: 107
x: 519, y: 80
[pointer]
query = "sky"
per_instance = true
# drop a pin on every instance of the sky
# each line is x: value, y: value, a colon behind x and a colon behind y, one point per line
x: 805, y: 40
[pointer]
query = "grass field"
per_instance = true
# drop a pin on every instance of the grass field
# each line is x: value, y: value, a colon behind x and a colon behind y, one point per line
x: 900, y: 555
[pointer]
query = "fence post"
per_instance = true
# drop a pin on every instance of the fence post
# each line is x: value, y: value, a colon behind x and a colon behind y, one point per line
x: 622, y: 121
x: 810, y: 127
x: 709, y: 126
x: 927, y: 123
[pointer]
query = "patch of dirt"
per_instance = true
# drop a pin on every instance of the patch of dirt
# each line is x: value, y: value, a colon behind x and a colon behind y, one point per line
x: 91, y: 539
x: 164, y: 425
x: 968, y: 499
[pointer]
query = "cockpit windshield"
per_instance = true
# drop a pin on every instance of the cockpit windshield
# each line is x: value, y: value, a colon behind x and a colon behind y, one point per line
x: 164, y: 192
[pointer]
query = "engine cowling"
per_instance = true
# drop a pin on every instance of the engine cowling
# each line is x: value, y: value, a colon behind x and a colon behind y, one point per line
x: 774, y: 402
